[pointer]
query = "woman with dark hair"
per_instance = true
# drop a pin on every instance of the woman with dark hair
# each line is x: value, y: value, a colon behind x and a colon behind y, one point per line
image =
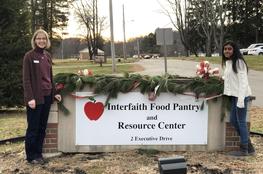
x: 39, y: 93
x: 237, y: 88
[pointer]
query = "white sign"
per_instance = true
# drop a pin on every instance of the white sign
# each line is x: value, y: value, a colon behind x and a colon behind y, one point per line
x: 132, y: 119
x: 164, y: 36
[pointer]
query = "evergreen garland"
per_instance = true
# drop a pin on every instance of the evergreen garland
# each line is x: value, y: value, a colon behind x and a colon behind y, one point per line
x: 112, y: 85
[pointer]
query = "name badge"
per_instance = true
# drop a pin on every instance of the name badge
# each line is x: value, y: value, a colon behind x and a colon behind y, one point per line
x: 36, y: 61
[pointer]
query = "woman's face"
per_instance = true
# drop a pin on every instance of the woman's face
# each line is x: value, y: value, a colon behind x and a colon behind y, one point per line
x: 228, y: 51
x: 41, y: 40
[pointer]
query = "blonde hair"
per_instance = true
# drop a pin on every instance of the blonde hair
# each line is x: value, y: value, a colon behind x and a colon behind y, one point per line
x: 33, y: 44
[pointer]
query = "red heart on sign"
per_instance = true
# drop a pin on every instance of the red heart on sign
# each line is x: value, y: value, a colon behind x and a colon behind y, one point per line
x: 93, y: 110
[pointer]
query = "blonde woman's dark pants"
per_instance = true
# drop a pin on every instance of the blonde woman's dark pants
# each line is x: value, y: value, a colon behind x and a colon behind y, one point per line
x: 37, y: 122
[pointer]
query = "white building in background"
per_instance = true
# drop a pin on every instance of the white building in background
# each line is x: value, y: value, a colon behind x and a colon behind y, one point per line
x: 84, y: 54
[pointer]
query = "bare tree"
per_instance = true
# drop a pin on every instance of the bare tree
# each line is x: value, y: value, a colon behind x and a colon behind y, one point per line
x: 87, y: 14
x: 219, y: 38
x: 177, y: 13
x: 209, y: 14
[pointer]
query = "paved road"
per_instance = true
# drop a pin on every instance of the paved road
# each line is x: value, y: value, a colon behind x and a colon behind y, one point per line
x: 188, y: 68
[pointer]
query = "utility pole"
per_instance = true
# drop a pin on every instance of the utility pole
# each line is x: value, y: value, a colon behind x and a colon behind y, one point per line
x: 112, y: 39
x: 96, y: 34
x: 124, y: 34
x: 138, y: 47
x: 62, y: 44
x: 62, y: 48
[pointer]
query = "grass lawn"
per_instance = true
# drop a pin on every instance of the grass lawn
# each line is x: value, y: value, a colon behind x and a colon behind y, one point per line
x: 12, y: 124
x: 256, y: 119
x: 254, y: 62
x: 73, y: 66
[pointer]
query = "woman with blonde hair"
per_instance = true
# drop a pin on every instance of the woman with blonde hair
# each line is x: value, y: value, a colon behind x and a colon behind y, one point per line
x: 39, y: 93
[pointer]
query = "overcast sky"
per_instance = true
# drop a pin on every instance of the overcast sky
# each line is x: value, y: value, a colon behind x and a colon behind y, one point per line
x: 142, y: 17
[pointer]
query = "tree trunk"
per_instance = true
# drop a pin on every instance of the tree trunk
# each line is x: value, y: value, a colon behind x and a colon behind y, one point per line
x: 208, y: 47
x: 221, y: 40
x: 257, y: 21
x: 45, y: 16
x: 51, y: 19
x: 33, y: 16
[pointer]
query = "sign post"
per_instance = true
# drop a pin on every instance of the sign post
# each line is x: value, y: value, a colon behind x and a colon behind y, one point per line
x: 164, y: 36
x: 112, y: 39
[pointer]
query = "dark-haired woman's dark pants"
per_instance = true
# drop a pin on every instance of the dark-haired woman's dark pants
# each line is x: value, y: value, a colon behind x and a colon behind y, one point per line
x: 238, y: 117
x: 36, y: 130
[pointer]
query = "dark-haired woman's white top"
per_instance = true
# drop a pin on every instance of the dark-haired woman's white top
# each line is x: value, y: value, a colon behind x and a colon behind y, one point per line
x: 236, y: 84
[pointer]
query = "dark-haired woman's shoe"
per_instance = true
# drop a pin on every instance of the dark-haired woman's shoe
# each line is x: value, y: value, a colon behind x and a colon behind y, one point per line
x: 243, y: 151
x: 251, y: 149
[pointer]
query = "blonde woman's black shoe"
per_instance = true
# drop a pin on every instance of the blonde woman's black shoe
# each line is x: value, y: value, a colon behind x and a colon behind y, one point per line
x: 39, y: 161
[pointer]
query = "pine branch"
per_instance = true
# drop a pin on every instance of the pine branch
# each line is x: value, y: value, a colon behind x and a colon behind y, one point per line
x: 112, y: 85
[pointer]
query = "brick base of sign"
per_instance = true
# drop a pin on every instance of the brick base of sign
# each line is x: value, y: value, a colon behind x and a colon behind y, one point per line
x: 51, y: 139
x: 232, y: 140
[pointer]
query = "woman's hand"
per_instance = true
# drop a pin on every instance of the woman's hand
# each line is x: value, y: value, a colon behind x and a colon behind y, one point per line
x: 58, y: 97
x: 32, y: 104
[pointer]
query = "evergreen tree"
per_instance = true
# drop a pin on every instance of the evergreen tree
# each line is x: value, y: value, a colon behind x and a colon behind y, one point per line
x: 49, y: 14
x: 245, y: 21
x: 14, y: 43
x: 148, y: 44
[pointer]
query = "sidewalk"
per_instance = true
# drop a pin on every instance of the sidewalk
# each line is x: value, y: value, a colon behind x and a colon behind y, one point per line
x: 188, y: 69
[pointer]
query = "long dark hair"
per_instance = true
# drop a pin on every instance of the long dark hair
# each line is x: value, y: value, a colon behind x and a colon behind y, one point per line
x: 236, y: 55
